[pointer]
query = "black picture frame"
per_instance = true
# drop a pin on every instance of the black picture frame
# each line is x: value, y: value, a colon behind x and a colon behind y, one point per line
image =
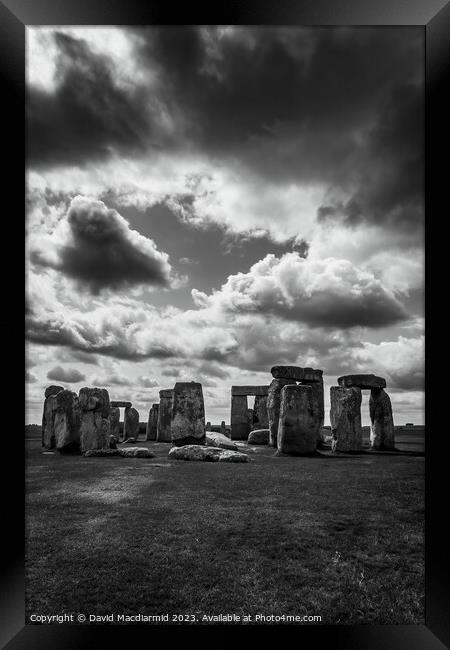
x: 434, y: 17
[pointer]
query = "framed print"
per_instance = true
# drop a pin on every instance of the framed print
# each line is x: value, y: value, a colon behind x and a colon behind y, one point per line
x: 227, y: 221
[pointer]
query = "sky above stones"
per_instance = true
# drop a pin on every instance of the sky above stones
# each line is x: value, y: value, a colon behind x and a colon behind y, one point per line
x: 204, y: 203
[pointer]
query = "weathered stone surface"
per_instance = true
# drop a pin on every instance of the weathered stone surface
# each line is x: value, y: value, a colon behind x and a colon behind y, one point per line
x: 240, y: 425
x: 114, y: 420
x: 164, y: 416
x: 129, y: 441
x: 118, y: 404
x: 188, y: 414
x: 249, y: 390
x: 112, y: 442
x: 223, y: 428
x: 318, y: 399
x: 345, y: 417
x: 208, y: 426
x: 307, y: 375
x: 208, y: 454
x: 214, y: 439
x: 48, y: 422
x: 152, y: 423
x: 95, y: 424
x: 131, y: 423
x: 67, y: 422
x: 382, y: 433
x: 259, y: 437
x: 95, y: 399
x: 53, y: 390
x: 96, y: 453
x: 362, y: 381
x: 250, y: 419
x: 136, y: 452
x: 299, y: 421
x: 260, y: 415
x: 273, y: 407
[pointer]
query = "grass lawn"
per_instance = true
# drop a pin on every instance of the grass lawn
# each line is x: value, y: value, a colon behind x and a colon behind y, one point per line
x: 340, y: 537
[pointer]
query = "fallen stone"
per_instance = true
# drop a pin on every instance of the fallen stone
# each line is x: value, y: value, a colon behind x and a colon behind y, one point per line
x: 362, y: 381
x: 97, y: 453
x: 67, y: 422
x: 273, y: 408
x: 188, y: 414
x: 136, y: 452
x: 259, y: 437
x: 382, y: 431
x: 307, y: 375
x: 208, y: 454
x: 345, y: 417
x: 214, y: 439
x: 299, y: 421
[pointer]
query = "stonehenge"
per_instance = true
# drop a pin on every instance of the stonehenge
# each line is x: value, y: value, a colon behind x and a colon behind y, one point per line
x: 345, y: 417
x: 260, y: 418
x: 164, y: 416
x: 131, y: 423
x: 187, y: 425
x: 114, y: 422
x: 95, y: 423
x: 299, y: 420
x: 362, y: 381
x: 382, y: 423
x: 152, y: 423
x: 48, y: 416
x: 67, y: 422
x: 273, y: 407
x: 241, y: 419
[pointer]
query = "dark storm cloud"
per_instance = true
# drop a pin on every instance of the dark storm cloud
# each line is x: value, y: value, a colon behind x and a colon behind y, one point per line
x: 66, y: 375
x: 100, y: 251
x: 88, y: 114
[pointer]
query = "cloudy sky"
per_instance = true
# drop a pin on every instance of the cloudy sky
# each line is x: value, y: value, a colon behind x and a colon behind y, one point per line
x: 204, y: 203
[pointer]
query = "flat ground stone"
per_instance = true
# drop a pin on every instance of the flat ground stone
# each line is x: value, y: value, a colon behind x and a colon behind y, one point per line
x: 188, y: 414
x: 273, y: 408
x: 208, y: 454
x: 97, y: 453
x: 299, y: 421
x: 259, y: 437
x: 135, y: 452
x: 362, y: 381
x: 215, y: 439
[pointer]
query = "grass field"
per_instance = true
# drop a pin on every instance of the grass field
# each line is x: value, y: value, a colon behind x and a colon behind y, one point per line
x: 340, y: 537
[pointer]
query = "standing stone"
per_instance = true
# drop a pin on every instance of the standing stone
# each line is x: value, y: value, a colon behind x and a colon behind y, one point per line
x: 67, y: 422
x: 114, y: 420
x: 345, y: 417
x: 223, y: 428
x: 188, y: 414
x: 250, y: 418
x: 95, y: 423
x: 164, y: 416
x: 131, y: 423
x: 299, y: 421
x: 382, y: 434
x: 318, y: 398
x: 273, y: 407
x: 208, y: 426
x: 152, y: 424
x: 48, y: 416
x: 260, y: 416
x: 240, y: 425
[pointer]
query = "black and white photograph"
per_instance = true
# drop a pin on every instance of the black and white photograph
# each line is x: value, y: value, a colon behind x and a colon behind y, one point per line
x: 225, y: 418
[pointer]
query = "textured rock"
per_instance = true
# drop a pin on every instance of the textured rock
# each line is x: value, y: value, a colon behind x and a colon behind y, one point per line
x: 114, y: 420
x: 260, y: 415
x: 67, y: 422
x: 131, y: 423
x: 188, y: 414
x: 112, y: 442
x: 250, y: 419
x: 129, y: 441
x: 345, y: 417
x: 295, y: 373
x: 48, y: 422
x: 382, y: 435
x: 208, y: 426
x: 317, y: 396
x: 240, y: 425
x: 95, y: 424
x: 208, y: 454
x: 53, y: 390
x: 299, y: 421
x: 164, y: 416
x: 223, y: 428
x: 249, y: 390
x: 214, y: 439
x: 362, y: 381
x: 152, y: 423
x: 259, y: 437
x: 122, y: 404
x: 273, y: 407
x: 135, y: 452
